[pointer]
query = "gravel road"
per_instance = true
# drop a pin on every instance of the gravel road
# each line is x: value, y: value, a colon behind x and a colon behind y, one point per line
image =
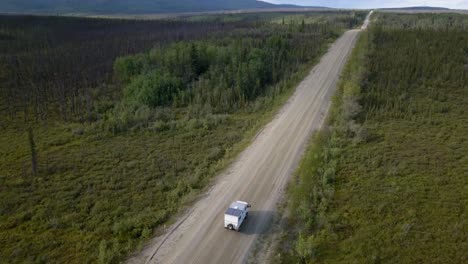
x: 258, y: 176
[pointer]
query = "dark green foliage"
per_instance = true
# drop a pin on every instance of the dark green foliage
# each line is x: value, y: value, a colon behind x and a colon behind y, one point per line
x: 153, y: 89
x: 224, y: 73
x: 350, y: 20
x: 127, y: 67
x: 449, y: 21
x: 199, y: 60
x: 386, y: 183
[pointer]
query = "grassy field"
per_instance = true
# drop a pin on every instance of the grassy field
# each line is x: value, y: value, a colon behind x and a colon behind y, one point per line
x: 386, y: 181
x: 99, y: 193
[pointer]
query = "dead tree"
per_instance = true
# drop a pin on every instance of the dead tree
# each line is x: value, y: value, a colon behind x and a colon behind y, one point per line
x: 32, y: 146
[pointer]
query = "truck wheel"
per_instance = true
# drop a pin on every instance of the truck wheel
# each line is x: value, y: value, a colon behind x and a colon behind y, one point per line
x: 246, y: 214
x: 230, y: 227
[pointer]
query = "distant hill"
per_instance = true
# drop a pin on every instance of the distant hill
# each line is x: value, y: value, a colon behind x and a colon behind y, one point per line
x: 411, y: 8
x: 127, y: 6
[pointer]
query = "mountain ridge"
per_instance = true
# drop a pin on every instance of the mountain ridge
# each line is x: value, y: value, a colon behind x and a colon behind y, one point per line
x: 416, y: 8
x: 137, y: 7
x: 129, y: 6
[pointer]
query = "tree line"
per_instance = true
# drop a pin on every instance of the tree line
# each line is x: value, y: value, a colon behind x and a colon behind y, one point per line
x: 62, y: 67
x: 58, y: 66
x: 224, y: 74
x: 449, y: 21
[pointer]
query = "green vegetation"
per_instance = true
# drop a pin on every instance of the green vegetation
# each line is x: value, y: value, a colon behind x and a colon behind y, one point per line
x: 386, y: 181
x: 422, y: 21
x: 223, y: 75
x: 131, y: 149
x: 347, y: 20
x: 337, y: 18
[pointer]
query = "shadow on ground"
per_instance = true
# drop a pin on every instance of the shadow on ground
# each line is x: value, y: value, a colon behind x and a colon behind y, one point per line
x: 258, y: 222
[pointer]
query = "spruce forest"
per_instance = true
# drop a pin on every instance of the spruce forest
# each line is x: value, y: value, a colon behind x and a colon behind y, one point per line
x: 385, y: 181
x: 110, y: 127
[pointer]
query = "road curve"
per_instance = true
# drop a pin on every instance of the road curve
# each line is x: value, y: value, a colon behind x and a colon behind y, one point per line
x: 258, y: 176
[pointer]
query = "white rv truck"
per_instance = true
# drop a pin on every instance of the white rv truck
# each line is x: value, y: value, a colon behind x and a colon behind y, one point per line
x: 235, y: 215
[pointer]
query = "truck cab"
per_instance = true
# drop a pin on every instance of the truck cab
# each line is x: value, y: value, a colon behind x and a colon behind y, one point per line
x: 236, y: 214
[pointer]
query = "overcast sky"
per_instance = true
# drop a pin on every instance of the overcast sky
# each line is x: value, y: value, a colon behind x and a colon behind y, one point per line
x: 459, y: 4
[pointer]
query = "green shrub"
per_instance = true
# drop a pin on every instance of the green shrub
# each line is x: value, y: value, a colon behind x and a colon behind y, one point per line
x: 126, y: 68
x: 153, y: 89
x: 305, y: 247
x: 216, y: 153
x: 160, y: 126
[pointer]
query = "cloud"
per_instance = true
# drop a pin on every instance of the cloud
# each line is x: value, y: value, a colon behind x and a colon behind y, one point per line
x: 457, y: 4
